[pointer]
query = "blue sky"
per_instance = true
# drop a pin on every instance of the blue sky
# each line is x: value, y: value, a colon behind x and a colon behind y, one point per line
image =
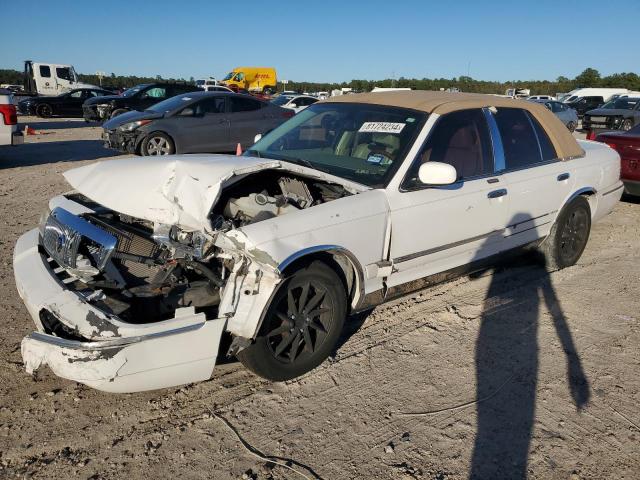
x: 327, y: 40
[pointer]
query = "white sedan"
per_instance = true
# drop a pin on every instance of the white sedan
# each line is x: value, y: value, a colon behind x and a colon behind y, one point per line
x: 133, y: 278
x: 297, y: 103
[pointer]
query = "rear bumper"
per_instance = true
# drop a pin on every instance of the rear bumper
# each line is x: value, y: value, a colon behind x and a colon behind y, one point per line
x: 607, y: 200
x: 102, y: 351
x: 632, y: 187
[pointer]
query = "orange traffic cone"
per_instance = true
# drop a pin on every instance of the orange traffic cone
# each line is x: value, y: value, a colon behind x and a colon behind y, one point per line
x: 28, y: 130
x: 239, y: 150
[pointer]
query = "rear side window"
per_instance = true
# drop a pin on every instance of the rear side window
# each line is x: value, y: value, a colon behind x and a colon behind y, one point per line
x: 45, y: 71
x: 210, y: 105
x: 460, y: 139
x: 244, y: 104
x: 546, y: 147
x: 519, y: 138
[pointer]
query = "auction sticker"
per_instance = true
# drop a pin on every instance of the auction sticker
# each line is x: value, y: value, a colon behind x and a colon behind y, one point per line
x: 382, y: 127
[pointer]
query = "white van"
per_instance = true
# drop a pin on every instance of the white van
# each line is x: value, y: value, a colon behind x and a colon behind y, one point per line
x: 51, y: 78
x: 605, y: 93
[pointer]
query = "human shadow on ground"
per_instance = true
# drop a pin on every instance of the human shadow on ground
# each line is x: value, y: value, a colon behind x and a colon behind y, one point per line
x: 506, y: 363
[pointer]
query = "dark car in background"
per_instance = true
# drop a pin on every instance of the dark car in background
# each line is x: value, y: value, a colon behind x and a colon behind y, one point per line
x: 622, y: 113
x: 583, y: 104
x: 137, y: 98
x: 197, y: 122
x: 68, y: 104
x: 565, y: 114
x: 627, y: 144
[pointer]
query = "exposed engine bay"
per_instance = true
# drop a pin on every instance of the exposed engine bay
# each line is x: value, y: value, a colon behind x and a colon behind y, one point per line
x: 154, y: 269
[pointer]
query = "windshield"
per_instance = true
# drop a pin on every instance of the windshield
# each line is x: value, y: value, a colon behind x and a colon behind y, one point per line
x: 359, y: 142
x: 624, y: 103
x: 133, y: 90
x: 281, y: 100
x: 199, y: 82
x: 170, y: 104
x: 571, y: 99
x: 228, y: 77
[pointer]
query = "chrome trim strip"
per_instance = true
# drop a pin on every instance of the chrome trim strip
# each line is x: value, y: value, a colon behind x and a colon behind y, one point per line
x: 430, y: 251
x: 499, y: 164
x: 105, y: 344
x: 614, y: 190
x: 533, y: 127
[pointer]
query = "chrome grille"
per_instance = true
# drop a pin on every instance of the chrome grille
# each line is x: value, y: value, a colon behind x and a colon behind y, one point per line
x: 64, y: 232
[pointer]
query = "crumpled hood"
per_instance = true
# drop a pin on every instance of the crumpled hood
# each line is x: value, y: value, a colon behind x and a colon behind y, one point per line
x: 174, y: 190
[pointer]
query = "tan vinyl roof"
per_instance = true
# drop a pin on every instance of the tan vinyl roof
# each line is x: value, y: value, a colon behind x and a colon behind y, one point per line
x: 443, y: 102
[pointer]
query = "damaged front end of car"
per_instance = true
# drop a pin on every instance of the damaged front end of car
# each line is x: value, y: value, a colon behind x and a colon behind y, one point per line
x: 128, y: 303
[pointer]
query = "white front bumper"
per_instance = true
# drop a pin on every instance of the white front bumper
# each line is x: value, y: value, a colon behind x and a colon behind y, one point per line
x: 119, y: 357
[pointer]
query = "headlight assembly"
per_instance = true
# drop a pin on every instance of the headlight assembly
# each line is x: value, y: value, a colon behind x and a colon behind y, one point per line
x: 131, y: 126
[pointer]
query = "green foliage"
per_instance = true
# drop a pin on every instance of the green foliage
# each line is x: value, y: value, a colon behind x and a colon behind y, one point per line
x: 590, y: 77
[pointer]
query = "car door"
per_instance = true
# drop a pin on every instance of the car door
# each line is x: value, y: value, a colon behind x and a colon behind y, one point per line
x: 245, y: 120
x: 71, y: 105
x: 202, y: 127
x: 438, y: 228
x: 537, y: 183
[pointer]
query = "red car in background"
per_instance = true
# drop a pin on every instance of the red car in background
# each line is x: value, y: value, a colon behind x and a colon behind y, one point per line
x: 627, y: 144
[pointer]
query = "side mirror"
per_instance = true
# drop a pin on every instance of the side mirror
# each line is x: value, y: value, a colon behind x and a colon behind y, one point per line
x: 437, y: 173
x: 257, y: 138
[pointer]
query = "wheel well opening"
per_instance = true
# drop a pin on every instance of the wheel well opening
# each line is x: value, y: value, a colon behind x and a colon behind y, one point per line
x: 338, y: 262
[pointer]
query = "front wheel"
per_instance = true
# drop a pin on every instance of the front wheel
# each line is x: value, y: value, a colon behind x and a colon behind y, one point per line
x: 569, y: 235
x: 158, y: 143
x: 302, y: 325
x: 627, y: 125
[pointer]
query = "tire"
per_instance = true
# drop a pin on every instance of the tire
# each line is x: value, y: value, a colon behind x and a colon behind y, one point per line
x: 569, y: 235
x: 157, y: 143
x: 290, y: 342
x: 571, y: 126
x: 627, y: 125
x: 44, y: 110
x: 117, y: 112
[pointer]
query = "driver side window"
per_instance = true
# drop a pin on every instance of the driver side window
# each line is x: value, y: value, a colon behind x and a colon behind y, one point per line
x: 460, y: 139
x: 156, y: 92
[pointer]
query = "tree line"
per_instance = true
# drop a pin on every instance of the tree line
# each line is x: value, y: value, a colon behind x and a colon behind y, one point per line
x: 590, y: 77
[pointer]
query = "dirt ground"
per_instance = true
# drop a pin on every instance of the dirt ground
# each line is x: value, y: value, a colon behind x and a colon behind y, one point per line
x: 512, y: 373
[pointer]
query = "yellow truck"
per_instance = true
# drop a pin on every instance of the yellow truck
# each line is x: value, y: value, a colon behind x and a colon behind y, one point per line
x: 253, y: 79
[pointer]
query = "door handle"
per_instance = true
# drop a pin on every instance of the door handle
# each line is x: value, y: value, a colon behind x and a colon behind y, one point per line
x: 563, y: 176
x: 497, y: 193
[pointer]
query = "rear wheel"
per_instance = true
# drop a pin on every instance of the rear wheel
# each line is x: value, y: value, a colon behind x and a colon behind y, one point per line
x: 158, y: 143
x: 302, y: 325
x: 569, y: 235
x: 44, y: 110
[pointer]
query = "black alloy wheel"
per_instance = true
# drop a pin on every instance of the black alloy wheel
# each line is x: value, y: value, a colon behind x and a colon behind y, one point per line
x: 302, y: 325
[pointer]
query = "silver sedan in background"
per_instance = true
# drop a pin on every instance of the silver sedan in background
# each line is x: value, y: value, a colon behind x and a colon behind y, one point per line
x: 566, y: 114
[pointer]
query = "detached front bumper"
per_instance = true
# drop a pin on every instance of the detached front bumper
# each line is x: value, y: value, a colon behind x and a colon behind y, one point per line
x: 121, y: 141
x: 99, y: 349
